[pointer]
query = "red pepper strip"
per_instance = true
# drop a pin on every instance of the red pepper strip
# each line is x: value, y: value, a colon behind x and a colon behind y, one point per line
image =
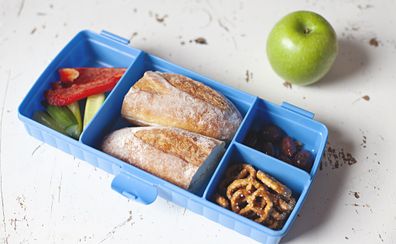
x: 90, y: 81
x: 84, y: 75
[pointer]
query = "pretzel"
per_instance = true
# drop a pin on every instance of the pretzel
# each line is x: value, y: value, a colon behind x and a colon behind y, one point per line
x: 247, y: 172
x: 277, y: 216
x: 222, y: 201
x: 239, y: 200
x: 259, y: 203
x: 249, y: 184
x: 255, y: 195
x: 240, y: 171
x: 286, y: 206
x: 237, y: 171
x: 274, y: 224
x: 273, y: 184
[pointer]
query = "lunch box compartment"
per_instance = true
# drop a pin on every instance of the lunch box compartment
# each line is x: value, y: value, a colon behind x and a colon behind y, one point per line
x: 296, y: 180
x: 88, y: 49
x: 109, y: 119
x: 295, y: 122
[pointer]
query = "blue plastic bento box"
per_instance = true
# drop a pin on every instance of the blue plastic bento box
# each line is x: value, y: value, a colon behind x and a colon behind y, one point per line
x: 89, y: 49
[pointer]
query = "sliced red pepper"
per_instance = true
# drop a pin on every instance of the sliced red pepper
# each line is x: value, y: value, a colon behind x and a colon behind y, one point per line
x: 80, y: 83
x: 84, y: 75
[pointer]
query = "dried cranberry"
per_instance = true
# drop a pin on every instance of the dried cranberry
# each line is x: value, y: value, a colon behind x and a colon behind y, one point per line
x: 272, y: 133
x: 288, y: 146
x: 268, y: 148
x: 251, y: 139
x: 303, y: 160
x: 299, y: 145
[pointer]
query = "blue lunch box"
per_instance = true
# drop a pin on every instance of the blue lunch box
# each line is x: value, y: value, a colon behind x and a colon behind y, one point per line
x: 89, y: 49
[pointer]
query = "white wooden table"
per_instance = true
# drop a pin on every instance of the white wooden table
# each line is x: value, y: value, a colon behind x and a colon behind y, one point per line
x: 48, y: 196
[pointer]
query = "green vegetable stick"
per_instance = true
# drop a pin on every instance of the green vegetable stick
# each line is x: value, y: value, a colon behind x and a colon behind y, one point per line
x: 65, y: 119
x: 62, y: 115
x: 45, y: 119
x: 75, y: 109
x: 92, y: 106
x: 73, y: 131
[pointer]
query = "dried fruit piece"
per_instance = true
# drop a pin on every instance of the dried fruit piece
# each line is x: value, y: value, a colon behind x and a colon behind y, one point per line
x: 273, y: 141
x: 303, y: 160
x: 272, y: 133
x: 288, y: 146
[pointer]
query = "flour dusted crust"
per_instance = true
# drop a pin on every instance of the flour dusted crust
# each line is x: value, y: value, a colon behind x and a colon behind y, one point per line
x: 178, y: 101
x: 170, y: 153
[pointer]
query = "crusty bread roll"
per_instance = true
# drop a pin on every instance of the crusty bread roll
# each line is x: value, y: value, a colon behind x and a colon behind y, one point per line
x: 181, y: 157
x: 178, y: 101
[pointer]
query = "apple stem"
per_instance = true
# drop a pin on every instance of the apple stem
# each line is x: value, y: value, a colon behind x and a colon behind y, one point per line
x: 306, y: 30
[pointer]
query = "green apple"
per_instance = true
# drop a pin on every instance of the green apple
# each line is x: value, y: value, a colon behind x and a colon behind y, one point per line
x: 302, y: 47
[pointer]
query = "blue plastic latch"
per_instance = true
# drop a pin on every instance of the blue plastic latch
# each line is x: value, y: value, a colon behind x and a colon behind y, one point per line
x: 114, y: 37
x: 298, y: 110
x: 134, y: 189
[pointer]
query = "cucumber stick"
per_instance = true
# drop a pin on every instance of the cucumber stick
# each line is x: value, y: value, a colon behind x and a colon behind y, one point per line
x: 65, y: 119
x: 45, y: 119
x: 92, y: 106
x: 75, y: 109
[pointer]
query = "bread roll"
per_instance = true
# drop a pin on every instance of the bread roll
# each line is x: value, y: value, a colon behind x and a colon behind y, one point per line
x: 178, y: 101
x: 181, y: 157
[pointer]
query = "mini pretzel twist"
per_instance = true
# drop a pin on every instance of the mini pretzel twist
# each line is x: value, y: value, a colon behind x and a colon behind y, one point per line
x: 259, y: 203
x: 273, y: 184
x: 222, y: 201
x: 249, y: 184
x: 240, y: 171
x: 236, y: 172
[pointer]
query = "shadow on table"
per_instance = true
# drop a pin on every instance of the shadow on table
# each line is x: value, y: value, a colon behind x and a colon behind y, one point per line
x: 352, y: 57
x: 325, y: 191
